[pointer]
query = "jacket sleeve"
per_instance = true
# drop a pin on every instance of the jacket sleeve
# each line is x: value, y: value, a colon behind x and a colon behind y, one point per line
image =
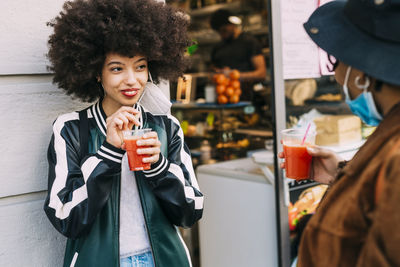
x: 77, y: 188
x: 381, y: 247
x: 173, y: 181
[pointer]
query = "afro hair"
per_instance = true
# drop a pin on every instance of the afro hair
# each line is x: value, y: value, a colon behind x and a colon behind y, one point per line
x: 87, y: 30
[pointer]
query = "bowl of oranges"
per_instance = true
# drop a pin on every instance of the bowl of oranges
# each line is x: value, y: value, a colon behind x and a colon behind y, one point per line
x: 227, y: 87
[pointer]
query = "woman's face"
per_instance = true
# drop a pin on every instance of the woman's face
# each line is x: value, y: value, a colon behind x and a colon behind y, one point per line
x: 340, y: 75
x: 123, y: 79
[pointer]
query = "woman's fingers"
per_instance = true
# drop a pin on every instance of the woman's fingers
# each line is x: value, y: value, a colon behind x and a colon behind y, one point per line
x: 316, y: 151
x: 149, y: 142
x: 282, y: 165
x: 148, y: 151
x: 118, y: 123
x: 153, y: 152
x: 151, y: 147
x: 151, y: 159
x: 133, y: 119
x: 124, y: 119
x: 125, y: 115
x: 149, y: 139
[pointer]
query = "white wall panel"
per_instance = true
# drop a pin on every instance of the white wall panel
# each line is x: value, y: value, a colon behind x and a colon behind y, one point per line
x: 27, y: 111
x: 28, y: 238
x: 24, y: 34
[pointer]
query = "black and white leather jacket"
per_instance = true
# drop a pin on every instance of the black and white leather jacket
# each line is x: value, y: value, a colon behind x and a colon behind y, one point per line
x: 83, y: 193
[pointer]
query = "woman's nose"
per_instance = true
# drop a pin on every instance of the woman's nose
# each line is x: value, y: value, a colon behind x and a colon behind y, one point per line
x: 130, y: 77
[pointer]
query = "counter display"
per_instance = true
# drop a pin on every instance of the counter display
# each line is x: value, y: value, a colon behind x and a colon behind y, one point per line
x: 229, y: 130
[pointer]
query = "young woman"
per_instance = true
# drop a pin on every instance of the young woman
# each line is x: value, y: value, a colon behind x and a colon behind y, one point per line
x: 104, y: 51
x: 354, y: 223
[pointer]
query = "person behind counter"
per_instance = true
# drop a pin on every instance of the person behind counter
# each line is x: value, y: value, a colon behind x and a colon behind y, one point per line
x: 104, y: 51
x: 355, y: 223
x: 237, y: 50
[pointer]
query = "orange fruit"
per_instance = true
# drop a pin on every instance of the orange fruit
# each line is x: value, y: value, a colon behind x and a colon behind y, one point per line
x: 229, y: 91
x: 220, y: 89
x: 222, y: 99
x: 227, y: 81
x: 220, y: 78
x: 238, y: 91
x: 235, y: 84
x: 214, y: 78
x: 234, y: 75
x: 234, y: 98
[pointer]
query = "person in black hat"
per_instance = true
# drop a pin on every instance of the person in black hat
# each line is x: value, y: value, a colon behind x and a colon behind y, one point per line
x: 237, y: 50
x: 355, y: 222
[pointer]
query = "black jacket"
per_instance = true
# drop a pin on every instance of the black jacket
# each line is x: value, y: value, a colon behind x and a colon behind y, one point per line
x: 83, y: 193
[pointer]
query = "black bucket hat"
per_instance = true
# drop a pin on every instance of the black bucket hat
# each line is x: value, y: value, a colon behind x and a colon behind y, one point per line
x: 364, y: 34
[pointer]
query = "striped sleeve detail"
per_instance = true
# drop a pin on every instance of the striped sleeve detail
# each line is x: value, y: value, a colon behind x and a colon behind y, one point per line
x: 157, y: 168
x: 187, y: 162
x: 185, y: 157
x: 78, y: 196
x: 189, y: 192
x: 88, y: 166
x: 62, y: 210
x: 110, y: 154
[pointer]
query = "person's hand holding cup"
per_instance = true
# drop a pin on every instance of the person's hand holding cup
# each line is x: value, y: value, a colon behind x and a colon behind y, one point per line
x: 297, y: 159
x: 142, y: 147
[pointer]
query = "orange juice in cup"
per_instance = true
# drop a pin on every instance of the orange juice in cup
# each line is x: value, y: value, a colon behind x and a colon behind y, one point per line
x: 135, y: 160
x: 297, y: 159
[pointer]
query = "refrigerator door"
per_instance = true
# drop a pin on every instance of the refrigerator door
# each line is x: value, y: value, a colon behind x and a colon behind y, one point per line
x: 238, y: 227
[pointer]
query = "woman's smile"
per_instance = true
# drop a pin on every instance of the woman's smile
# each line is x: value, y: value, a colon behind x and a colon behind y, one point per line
x: 130, y: 92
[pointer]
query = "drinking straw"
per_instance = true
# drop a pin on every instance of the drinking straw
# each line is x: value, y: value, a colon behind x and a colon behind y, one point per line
x: 140, y: 98
x: 305, y: 134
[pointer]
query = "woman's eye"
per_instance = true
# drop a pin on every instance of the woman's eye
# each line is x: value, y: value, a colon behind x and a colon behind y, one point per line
x: 142, y: 67
x: 116, y: 69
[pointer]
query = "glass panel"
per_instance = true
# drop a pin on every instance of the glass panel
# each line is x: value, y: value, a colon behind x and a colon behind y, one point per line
x: 224, y: 106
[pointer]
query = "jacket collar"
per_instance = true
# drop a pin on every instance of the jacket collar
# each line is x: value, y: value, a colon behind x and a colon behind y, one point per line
x: 386, y: 132
x: 100, y: 116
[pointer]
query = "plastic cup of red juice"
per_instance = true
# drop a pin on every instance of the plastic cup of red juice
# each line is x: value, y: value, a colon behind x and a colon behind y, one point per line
x: 135, y: 160
x: 297, y: 159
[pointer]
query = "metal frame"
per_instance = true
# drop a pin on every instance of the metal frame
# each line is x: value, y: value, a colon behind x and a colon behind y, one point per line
x: 279, y: 123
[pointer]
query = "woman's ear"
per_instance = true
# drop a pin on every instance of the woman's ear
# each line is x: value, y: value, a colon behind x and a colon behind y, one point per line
x: 363, y: 81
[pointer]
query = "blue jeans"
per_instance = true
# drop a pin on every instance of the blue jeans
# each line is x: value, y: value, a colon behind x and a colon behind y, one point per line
x: 141, y: 260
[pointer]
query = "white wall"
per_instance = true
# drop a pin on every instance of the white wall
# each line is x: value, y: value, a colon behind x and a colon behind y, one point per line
x: 29, y: 103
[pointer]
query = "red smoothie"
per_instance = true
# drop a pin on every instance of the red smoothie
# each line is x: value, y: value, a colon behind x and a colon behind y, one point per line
x: 297, y: 162
x: 135, y: 160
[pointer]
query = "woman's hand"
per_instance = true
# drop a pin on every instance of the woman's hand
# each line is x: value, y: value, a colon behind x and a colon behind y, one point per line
x: 324, y: 164
x: 152, y: 149
x: 123, y: 119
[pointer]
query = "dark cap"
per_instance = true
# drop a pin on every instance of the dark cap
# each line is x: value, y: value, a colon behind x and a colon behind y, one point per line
x: 220, y: 18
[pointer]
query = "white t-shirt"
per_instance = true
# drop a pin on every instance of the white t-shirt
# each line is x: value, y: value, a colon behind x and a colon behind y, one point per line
x: 133, y: 237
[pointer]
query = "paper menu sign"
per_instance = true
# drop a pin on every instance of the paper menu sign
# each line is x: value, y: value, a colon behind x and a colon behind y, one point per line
x: 324, y: 62
x: 301, y: 56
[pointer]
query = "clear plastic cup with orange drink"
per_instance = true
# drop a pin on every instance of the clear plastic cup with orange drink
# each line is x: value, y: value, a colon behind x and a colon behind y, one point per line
x: 135, y: 160
x: 297, y: 159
